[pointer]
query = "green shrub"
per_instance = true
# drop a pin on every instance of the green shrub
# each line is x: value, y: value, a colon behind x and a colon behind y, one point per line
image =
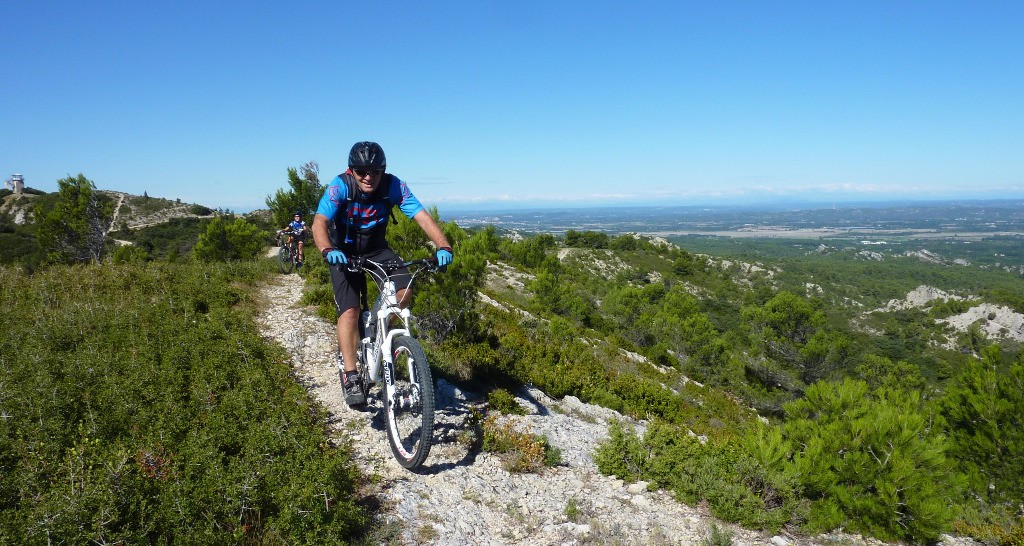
x: 129, y: 254
x: 224, y: 240
x: 16, y: 244
x: 572, y: 510
x: 984, y: 413
x: 871, y: 461
x: 946, y: 308
x: 1001, y: 530
x: 736, y: 486
x: 984, y: 409
x: 200, y: 210
x: 503, y: 401
x: 463, y: 361
x: 718, y: 536
x: 622, y: 455
x: 519, y: 451
x: 143, y: 406
x: 321, y: 296
x: 601, y: 397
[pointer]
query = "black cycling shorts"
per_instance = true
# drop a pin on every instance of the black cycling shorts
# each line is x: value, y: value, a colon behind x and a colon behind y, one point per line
x: 347, y: 284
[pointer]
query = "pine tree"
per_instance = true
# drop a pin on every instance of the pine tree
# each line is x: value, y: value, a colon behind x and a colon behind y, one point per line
x: 225, y: 241
x: 984, y: 410
x: 74, y: 228
x: 872, y: 461
x: 302, y: 197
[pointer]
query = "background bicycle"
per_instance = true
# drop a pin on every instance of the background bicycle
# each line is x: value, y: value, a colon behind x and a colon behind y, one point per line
x: 288, y: 255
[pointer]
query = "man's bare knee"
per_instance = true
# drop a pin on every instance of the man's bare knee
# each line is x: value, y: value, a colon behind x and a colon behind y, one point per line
x: 404, y: 296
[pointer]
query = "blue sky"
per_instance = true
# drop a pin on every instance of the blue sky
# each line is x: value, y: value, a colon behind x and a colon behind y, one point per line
x: 521, y: 104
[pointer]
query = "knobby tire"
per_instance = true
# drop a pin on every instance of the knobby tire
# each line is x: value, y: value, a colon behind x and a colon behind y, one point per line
x: 284, y: 259
x: 410, y: 430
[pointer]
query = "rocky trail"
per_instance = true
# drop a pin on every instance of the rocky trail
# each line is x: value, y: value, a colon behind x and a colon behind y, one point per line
x: 463, y: 495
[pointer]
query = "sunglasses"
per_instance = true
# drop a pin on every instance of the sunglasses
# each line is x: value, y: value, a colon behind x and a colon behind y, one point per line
x: 364, y: 172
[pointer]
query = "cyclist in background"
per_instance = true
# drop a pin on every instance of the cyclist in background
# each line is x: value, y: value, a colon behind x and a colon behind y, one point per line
x: 296, y: 229
x: 352, y: 219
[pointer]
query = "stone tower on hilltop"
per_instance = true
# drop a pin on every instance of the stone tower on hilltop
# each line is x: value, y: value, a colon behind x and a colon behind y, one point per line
x: 16, y: 183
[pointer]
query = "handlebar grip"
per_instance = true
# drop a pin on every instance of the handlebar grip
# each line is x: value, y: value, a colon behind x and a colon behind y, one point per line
x: 354, y: 264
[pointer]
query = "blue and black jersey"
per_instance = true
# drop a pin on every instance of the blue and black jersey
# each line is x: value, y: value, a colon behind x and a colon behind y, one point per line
x: 358, y: 223
x: 297, y: 227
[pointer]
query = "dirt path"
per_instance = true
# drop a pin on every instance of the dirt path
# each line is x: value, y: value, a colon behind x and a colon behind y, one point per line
x: 117, y: 212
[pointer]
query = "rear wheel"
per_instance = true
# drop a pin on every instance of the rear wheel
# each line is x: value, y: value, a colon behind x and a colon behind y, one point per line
x: 410, y: 405
x: 284, y: 260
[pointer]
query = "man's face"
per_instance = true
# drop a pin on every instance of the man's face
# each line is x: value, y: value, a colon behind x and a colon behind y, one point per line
x: 367, y: 179
x: 297, y: 218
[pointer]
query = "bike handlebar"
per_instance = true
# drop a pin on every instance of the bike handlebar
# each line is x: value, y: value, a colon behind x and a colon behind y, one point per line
x: 359, y: 263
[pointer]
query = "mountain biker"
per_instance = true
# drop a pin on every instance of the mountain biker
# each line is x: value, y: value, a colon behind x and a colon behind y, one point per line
x: 296, y: 229
x: 349, y: 225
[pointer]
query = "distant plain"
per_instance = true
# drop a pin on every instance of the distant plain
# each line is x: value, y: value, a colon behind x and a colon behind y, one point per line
x: 904, y: 220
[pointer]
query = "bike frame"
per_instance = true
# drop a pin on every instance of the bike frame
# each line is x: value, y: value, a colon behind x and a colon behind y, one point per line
x: 288, y: 240
x: 387, y: 305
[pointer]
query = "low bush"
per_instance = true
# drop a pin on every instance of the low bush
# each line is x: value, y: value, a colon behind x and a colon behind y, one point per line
x: 200, y: 210
x: 141, y: 405
x: 129, y: 254
x: 735, y: 485
x: 503, y: 401
x: 224, y: 240
x: 519, y: 451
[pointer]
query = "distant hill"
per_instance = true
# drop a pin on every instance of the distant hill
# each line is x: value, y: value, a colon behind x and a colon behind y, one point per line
x: 135, y: 211
x: 162, y: 227
x: 131, y: 211
x: 17, y: 205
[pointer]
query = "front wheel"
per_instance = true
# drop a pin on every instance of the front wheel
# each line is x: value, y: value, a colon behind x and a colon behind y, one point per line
x: 409, y: 403
x: 284, y: 260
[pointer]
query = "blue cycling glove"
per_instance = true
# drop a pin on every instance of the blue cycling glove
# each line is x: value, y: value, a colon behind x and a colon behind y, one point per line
x: 444, y: 257
x: 334, y: 256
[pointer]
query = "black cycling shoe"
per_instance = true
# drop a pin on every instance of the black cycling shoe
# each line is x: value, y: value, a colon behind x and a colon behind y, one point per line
x: 353, y: 387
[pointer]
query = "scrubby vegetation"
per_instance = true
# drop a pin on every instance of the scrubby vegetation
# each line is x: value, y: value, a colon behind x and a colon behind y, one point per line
x: 17, y: 241
x: 140, y: 405
x: 224, y: 241
x: 169, y: 240
x: 776, y: 385
x: 858, y: 440
x: 520, y: 451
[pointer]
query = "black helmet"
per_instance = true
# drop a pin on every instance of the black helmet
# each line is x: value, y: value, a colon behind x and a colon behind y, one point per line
x: 298, y: 213
x: 367, y: 155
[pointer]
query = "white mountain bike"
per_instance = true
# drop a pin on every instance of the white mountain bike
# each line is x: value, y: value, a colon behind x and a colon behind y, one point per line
x: 391, y: 357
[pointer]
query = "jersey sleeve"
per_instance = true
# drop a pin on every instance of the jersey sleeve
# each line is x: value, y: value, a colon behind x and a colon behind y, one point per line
x: 334, y: 196
x: 403, y: 197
